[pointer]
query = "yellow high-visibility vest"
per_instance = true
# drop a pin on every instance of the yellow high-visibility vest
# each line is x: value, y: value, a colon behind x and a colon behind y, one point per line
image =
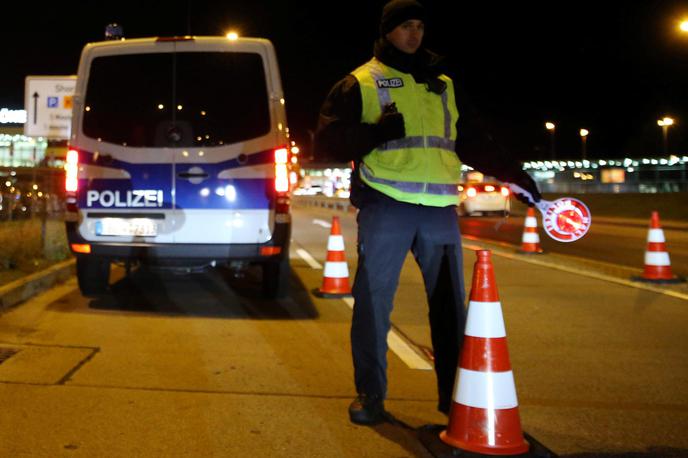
x: 421, y: 168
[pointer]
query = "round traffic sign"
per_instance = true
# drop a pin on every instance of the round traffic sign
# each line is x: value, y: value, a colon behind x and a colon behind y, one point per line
x: 566, y: 219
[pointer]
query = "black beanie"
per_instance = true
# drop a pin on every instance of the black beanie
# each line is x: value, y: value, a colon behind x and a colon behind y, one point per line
x: 398, y: 11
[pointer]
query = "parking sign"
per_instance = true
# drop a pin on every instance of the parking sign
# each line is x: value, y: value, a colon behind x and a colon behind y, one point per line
x: 48, y: 105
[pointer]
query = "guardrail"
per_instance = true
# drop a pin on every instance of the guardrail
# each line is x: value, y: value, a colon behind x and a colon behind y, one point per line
x: 333, y: 203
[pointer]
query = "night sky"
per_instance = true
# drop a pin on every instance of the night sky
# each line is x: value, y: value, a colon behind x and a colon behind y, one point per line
x: 612, y: 67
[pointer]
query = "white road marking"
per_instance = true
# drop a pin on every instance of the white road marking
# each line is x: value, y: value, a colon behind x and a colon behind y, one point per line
x: 319, y: 222
x: 306, y: 256
x: 585, y: 273
x: 400, y: 347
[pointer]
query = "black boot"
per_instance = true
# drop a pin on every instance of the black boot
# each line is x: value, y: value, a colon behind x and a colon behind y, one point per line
x: 367, y: 410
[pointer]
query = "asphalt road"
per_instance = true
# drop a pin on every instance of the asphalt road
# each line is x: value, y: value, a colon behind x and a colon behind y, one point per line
x: 617, y: 242
x: 202, y: 365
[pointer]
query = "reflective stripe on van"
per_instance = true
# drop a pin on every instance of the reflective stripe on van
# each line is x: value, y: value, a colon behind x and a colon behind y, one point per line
x: 229, y: 184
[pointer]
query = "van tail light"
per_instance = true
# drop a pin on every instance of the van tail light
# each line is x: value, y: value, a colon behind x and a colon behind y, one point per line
x: 505, y: 191
x: 282, y: 180
x: 270, y: 250
x: 71, y: 171
x: 84, y: 248
x: 281, y: 170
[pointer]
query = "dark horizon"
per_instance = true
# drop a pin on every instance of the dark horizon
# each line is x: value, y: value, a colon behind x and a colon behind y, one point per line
x: 613, y: 69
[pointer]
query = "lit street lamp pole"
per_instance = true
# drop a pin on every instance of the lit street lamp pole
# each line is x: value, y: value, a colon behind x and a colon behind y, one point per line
x: 552, y: 128
x: 584, y: 138
x: 664, y: 123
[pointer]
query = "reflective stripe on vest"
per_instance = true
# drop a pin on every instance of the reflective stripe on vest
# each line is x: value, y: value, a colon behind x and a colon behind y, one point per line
x: 410, y: 186
x: 419, y: 142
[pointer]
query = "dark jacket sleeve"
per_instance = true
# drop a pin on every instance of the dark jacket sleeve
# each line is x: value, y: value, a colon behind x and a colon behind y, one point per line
x: 341, y: 136
x: 476, y: 146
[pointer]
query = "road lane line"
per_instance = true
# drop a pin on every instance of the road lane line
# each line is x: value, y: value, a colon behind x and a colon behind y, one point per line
x: 306, y: 256
x: 584, y: 273
x: 319, y: 222
x: 396, y: 343
x: 400, y: 347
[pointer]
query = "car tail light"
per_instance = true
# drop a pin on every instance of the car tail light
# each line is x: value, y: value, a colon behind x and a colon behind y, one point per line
x: 471, y: 192
x: 71, y: 171
x: 489, y: 188
x: 505, y: 191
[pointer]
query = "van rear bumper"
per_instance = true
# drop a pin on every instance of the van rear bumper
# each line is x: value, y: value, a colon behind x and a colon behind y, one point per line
x: 180, y: 253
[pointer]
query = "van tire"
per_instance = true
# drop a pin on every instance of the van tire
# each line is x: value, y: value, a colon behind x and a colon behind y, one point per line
x: 93, y: 275
x: 276, y: 278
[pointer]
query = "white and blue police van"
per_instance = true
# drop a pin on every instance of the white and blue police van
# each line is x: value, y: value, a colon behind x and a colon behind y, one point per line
x: 179, y: 158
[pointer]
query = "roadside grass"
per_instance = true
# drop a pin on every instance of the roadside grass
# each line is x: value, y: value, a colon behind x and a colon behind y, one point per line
x: 23, y: 250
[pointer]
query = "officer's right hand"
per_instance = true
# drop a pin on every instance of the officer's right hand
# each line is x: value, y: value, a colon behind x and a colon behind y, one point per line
x: 390, y: 126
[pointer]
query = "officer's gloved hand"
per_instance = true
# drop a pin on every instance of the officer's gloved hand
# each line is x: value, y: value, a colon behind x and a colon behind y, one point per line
x: 526, y: 182
x: 390, y: 126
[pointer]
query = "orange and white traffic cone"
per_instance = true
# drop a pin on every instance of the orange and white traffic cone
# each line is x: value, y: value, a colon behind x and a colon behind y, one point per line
x: 530, y: 240
x: 336, y: 275
x: 484, y: 414
x: 657, y: 263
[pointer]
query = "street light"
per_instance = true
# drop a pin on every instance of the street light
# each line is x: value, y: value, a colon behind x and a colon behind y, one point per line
x: 683, y: 26
x: 584, y: 138
x: 551, y: 127
x: 664, y: 123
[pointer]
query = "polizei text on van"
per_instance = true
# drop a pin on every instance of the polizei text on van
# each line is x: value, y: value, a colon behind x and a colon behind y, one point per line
x: 136, y: 198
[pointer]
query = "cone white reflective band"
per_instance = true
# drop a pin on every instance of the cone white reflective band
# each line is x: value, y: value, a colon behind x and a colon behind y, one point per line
x: 655, y: 236
x: 486, y: 390
x: 336, y: 270
x: 531, y: 221
x: 485, y: 320
x: 530, y: 237
x: 335, y: 243
x: 657, y: 258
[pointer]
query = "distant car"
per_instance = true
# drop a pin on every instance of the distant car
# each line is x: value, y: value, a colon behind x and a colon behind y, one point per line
x: 310, y: 191
x: 483, y: 199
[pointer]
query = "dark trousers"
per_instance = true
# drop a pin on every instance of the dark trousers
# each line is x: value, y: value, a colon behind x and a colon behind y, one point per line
x: 387, y: 230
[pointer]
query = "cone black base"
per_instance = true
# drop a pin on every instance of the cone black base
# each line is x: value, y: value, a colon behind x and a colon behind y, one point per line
x: 429, y: 436
x: 661, y: 281
x: 319, y: 293
x: 529, y: 252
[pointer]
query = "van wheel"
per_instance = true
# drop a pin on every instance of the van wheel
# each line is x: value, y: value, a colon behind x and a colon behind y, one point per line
x: 276, y: 278
x: 93, y: 275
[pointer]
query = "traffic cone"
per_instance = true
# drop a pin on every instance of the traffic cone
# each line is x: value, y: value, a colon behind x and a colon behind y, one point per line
x: 530, y: 240
x: 657, y: 262
x: 336, y: 275
x: 484, y: 414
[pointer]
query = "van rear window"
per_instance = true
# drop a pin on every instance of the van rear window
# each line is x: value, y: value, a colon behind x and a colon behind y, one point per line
x: 176, y: 99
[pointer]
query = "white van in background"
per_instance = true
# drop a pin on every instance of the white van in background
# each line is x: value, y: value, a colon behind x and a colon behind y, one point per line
x: 178, y: 158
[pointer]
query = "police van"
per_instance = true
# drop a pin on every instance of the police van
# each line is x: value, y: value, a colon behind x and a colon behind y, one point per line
x: 179, y: 159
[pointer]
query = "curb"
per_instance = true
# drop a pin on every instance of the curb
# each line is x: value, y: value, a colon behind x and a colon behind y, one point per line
x: 25, y: 288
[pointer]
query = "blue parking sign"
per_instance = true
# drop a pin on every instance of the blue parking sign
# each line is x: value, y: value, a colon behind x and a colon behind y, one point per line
x: 53, y: 102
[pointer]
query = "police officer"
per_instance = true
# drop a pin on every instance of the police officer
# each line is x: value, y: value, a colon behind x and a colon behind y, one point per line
x: 396, y: 117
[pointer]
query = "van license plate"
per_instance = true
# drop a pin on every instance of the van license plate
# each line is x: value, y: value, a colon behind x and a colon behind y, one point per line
x: 133, y: 227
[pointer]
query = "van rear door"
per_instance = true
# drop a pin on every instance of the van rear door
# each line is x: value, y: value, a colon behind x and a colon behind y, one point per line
x: 129, y: 190
x: 224, y: 172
